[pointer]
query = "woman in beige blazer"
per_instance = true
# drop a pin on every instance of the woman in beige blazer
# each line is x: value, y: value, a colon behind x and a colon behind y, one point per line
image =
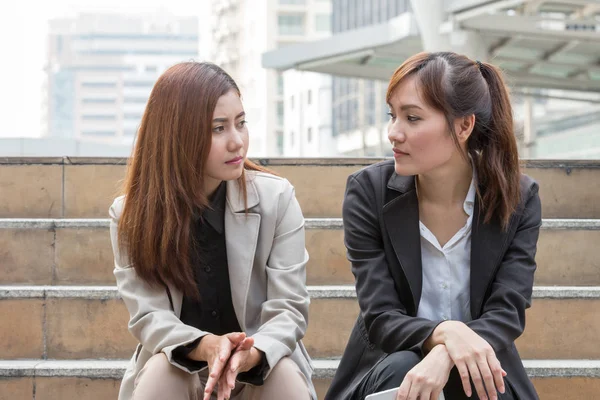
x: 209, y: 253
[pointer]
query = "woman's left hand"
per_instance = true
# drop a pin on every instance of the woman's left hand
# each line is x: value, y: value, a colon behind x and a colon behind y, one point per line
x: 428, y: 378
x: 244, y: 358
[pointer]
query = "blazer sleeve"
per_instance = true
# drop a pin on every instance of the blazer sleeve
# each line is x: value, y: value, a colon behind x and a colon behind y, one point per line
x: 386, y: 319
x: 284, y: 314
x: 503, y: 316
x: 152, y: 321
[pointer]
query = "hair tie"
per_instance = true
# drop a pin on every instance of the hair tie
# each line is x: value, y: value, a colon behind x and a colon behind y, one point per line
x: 479, y: 65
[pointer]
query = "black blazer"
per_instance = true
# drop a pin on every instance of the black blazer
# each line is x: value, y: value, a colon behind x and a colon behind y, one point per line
x: 381, y: 234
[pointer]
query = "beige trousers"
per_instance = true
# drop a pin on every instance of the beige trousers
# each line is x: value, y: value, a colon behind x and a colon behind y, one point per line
x: 159, y: 380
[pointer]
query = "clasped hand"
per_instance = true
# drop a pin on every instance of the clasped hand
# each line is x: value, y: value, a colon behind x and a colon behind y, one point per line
x: 474, y: 358
x: 454, y: 344
x: 227, y: 356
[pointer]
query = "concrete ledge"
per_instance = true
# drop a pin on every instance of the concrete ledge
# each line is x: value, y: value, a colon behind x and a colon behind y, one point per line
x: 329, y: 161
x: 324, y: 369
x: 46, y: 223
x: 73, y: 292
x: 316, y: 292
x: 99, y: 369
x: 310, y: 223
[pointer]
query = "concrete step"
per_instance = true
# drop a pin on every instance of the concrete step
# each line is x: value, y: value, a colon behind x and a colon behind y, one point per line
x: 85, y: 187
x: 97, y: 379
x: 78, y: 252
x: 66, y: 322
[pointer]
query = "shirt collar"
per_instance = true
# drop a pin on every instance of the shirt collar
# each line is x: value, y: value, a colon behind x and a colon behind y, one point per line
x: 214, y: 214
x: 469, y: 202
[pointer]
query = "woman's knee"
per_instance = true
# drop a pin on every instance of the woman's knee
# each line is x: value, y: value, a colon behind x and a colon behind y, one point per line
x: 285, y: 381
x: 396, y: 365
x: 159, y: 378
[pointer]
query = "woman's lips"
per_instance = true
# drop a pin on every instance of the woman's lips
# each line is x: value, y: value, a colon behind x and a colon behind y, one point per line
x: 398, y: 153
x: 235, y: 161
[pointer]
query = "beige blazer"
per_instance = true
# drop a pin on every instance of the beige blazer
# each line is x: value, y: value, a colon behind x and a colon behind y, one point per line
x: 267, y: 259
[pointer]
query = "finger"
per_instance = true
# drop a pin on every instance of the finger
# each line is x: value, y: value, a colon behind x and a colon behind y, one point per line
x: 424, y: 394
x: 477, y: 381
x: 234, y: 364
x: 220, y: 394
x: 416, y: 387
x: 246, y: 344
x: 231, y: 376
x: 497, y: 372
x: 435, y: 395
x: 488, y: 378
x: 463, y: 371
x: 236, y: 337
x: 210, y: 386
x: 226, y: 388
x: 213, y: 377
x: 224, y: 350
x: 504, y: 373
x: 404, y: 389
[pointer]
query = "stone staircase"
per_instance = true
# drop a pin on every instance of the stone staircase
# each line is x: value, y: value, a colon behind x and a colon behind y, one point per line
x: 63, y: 328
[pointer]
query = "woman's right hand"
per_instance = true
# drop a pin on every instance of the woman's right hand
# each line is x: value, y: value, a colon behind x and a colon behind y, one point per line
x: 473, y: 357
x: 428, y: 378
x: 216, y: 350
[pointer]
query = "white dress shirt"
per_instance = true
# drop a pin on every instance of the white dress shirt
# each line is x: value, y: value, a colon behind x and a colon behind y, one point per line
x: 447, y: 270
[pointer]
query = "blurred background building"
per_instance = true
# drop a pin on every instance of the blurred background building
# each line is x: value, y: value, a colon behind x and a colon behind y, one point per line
x: 549, y: 50
x: 242, y: 30
x: 313, y: 73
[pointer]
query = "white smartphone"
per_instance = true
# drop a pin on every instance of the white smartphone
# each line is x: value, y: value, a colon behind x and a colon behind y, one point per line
x: 385, y: 395
x: 390, y: 395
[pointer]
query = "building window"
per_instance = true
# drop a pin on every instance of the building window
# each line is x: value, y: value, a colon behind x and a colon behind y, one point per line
x: 98, y: 133
x: 148, y: 84
x: 309, y: 98
x: 309, y: 135
x: 98, y: 101
x: 292, y: 103
x: 291, y: 24
x: 292, y: 139
x: 280, y: 113
x: 99, y: 117
x: 279, y: 142
x: 280, y: 84
x: 323, y: 23
x: 99, y: 84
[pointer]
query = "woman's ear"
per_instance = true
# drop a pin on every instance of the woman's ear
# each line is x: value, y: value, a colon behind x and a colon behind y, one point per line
x: 463, y: 126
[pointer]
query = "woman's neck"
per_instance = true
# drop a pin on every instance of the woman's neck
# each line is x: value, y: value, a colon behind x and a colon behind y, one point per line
x: 446, y: 185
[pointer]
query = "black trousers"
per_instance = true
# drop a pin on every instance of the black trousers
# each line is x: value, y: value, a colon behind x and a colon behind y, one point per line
x: 390, y: 373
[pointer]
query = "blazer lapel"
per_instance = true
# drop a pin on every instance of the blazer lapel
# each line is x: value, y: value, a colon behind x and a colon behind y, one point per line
x: 401, y: 216
x: 488, y: 242
x: 241, y: 237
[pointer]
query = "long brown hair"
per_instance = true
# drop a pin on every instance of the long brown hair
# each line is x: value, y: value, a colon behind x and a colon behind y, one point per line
x: 459, y: 87
x: 164, y: 182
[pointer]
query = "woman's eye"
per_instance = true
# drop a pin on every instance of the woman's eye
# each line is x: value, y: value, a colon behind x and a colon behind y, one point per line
x: 218, y: 129
x: 243, y: 123
x: 392, y: 116
x: 413, y: 118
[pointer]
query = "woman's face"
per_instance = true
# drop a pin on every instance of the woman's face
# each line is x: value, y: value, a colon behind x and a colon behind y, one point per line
x: 229, y: 142
x: 418, y: 133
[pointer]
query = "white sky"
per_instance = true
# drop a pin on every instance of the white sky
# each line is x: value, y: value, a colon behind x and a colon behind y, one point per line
x: 23, y: 30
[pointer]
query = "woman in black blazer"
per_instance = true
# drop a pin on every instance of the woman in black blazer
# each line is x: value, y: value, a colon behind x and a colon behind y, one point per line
x: 442, y: 242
